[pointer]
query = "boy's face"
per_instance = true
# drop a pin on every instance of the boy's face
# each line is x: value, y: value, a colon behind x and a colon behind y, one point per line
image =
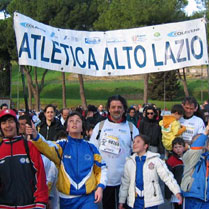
x: 74, y: 125
x: 22, y: 126
x: 177, y: 116
x: 178, y: 149
x: 138, y: 145
x: 9, y: 127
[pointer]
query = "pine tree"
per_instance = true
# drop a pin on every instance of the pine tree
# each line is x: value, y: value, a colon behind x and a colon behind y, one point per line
x: 164, y: 82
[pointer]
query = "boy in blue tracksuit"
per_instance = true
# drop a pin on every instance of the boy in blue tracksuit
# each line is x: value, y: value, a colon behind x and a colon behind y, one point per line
x: 195, y: 182
x: 81, y: 171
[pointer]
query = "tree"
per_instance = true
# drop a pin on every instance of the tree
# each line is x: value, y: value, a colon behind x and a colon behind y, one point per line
x: 163, y: 85
x: 35, y: 86
x: 182, y: 78
x: 119, y: 14
x: 78, y: 15
x: 5, y: 56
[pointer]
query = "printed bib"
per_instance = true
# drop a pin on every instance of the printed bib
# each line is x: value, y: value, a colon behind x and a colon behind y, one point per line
x: 110, y: 144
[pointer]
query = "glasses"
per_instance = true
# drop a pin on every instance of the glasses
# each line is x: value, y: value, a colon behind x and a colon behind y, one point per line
x: 150, y: 113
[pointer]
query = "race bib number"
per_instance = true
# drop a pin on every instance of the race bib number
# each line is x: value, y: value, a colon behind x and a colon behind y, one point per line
x: 110, y: 144
x: 188, y: 134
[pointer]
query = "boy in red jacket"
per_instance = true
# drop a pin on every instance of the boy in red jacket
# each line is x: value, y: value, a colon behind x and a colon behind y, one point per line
x: 22, y: 175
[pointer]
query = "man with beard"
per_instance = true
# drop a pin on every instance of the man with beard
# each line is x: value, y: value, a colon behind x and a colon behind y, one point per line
x: 113, y: 137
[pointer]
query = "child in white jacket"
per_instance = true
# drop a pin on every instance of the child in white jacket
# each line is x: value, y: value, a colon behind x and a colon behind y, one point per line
x: 140, y: 182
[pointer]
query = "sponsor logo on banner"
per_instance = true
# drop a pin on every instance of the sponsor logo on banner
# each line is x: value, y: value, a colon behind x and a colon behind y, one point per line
x: 94, y: 40
x: 180, y: 33
x: 72, y: 38
x: 52, y: 35
x: 156, y: 34
x: 115, y: 40
x: 139, y: 38
x: 29, y: 25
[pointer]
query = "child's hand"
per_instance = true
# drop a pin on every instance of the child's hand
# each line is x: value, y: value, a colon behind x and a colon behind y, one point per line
x: 31, y: 130
x: 179, y: 197
x: 207, y: 129
x: 120, y: 206
x: 98, y: 195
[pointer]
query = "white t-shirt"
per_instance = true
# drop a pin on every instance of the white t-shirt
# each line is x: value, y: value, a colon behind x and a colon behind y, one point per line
x: 194, y: 126
x: 115, y: 145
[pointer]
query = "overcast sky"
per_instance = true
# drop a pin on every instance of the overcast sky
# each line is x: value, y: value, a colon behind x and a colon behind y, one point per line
x: 193, y: 7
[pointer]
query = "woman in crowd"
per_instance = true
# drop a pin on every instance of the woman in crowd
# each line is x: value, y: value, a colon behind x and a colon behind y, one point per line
x: 50, y: 126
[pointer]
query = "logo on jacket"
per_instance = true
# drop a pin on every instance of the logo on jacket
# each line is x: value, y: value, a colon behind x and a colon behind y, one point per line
x: 24, y: 160
x: 87, y: 157
x: 151, y: 166
x: 67, y: 156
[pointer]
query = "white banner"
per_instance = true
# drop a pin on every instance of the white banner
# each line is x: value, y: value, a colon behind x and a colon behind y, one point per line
x: 112, y: 53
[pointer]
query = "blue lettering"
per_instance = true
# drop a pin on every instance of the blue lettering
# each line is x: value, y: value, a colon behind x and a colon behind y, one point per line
x: 66, y: 53
x: 74, y: 61
x: 76, y: 55
x: 25, y: 49
x: 135, y: 56
x: 128, y: 48
x: 92, y: 60
x: 160, y: 63
x: 197, y: 56
x: 35, y: 37
x: 188, y: 49
x: 55, y: 50
x: 45, y: 59
x: 181, y: 42
x: 167, y: 56
x: 107, y: 59
x: 122, y: 67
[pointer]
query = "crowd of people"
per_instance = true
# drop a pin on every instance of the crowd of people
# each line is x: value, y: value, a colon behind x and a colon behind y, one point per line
x: 118, y: 157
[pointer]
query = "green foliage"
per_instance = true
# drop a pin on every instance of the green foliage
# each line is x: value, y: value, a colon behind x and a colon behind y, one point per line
x: 164, y: 83
x: 135, y: 13
x: 98, y: 91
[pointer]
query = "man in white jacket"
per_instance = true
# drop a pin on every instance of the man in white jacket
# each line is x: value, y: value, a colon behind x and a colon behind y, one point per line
x: 141, y: 177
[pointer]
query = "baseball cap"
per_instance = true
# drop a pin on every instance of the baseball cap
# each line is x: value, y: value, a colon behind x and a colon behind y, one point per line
x: 8, y: 112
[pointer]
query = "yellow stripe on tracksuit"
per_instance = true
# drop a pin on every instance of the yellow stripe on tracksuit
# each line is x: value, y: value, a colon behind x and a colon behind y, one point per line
x: 63, y: 182
x: 96, y: 175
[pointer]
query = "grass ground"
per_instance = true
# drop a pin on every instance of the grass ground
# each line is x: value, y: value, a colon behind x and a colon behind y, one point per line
x: 97, y: 90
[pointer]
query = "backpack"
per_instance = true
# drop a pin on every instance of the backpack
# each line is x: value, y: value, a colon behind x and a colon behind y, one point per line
x: 101, y: 124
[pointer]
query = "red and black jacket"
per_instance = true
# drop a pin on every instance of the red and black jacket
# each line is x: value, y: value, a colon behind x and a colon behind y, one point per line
x: 22, y: 180
x: 176, y: 166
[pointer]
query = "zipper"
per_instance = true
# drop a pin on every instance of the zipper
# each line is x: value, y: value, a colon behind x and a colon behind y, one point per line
x: 153, y: 182
x: 47, y: 132
x: 77, y: 161
x: 13, y: 167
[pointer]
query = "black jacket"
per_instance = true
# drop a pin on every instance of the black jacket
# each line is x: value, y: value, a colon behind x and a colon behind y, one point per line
x: 152, y: 129
x: 50, y: 132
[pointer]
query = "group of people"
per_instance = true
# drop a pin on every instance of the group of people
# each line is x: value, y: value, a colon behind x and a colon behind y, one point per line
x: 78, y: 160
